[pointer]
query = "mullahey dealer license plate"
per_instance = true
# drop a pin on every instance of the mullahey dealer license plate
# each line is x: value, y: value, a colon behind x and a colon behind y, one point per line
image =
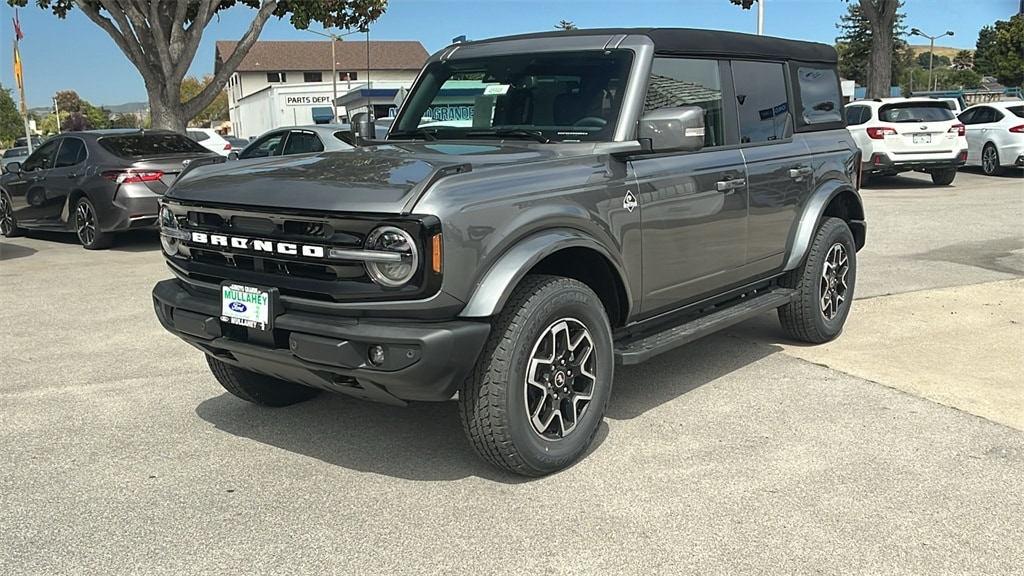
x: 247, y: 306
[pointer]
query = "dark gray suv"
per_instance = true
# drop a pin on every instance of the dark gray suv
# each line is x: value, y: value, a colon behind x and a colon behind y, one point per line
x: 94, y: 183
x: 545, y: 207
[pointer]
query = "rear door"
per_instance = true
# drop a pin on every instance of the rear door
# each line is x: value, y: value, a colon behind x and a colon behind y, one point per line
x: 972, y: 131
x: 922, y: 127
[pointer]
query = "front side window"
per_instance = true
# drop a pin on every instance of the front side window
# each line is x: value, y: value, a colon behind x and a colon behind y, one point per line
x: 562, y: 96
x: 761, y: 100
x: 43, y: 158
x: 676, y: 82
x: 72, y: 152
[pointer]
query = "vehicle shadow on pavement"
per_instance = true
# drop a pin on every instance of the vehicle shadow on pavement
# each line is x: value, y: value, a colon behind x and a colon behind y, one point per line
x: 12, y: 251
x: 422, y: 442
x: 664, y: 378
x: 137, y: 241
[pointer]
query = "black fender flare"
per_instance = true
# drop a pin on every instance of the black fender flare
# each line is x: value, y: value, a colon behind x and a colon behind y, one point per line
x: 494, y: 288
x: 813, y: 211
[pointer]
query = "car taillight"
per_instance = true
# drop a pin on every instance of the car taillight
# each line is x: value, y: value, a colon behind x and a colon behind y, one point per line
x: 1018, y: 129
x: 132, y: 176
x: 879, y: 132
x: 227, y: 146
x: 960, y: 129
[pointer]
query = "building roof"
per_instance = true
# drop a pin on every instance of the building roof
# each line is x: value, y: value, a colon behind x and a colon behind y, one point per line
x: 285, y: 56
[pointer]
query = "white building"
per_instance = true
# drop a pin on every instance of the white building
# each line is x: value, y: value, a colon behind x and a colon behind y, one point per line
x: 286, y: 83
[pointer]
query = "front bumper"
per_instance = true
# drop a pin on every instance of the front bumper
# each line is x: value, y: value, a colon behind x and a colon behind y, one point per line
x: 882, y: 162
x: 424, y: 360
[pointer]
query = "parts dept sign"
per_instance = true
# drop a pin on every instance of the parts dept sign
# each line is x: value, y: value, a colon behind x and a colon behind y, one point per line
x: 300, y: 100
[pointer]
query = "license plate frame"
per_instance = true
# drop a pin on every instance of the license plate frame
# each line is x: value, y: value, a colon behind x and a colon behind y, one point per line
x: 922, y: 138
x: 248, y: 306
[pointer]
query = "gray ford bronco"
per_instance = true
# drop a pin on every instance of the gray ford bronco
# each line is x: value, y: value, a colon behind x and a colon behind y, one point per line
x: 544, y: 207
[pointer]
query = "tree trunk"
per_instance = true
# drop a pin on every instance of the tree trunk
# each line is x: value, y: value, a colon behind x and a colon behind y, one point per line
x: 881, y: 16
x: 166, y: 111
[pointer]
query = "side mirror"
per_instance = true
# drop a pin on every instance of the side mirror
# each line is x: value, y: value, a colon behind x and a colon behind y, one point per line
x: 14, y: 167
x: 362, y: 127
x: 233, y: 155
x: 674, y: 129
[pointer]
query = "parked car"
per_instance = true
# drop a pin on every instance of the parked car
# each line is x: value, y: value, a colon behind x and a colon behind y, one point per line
x: 618, y: 194
x: 211, y: 140
x: 902, y: 134
x: 24, y: 140
x: 237, y: 144
x: 94, y: 183
x: 289, y: 140
x: 995, y: 135
x: 16, y: 154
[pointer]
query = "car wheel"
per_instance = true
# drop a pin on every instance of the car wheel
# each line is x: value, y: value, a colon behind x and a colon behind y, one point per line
x: 824, y: 285
x: 8, y: 224
x: 943, y: 176
x: 87, y: 227
x: 990, y: 160
x: 537, y: 395
x: 258, y: 388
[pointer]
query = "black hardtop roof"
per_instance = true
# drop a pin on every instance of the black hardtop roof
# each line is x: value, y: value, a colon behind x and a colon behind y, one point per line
x: 699, y: 42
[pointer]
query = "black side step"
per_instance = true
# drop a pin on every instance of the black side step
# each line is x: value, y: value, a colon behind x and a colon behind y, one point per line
x: 637, y: 351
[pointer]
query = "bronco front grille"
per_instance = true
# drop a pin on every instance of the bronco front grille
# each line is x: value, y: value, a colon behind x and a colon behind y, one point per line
x: 249, y: 249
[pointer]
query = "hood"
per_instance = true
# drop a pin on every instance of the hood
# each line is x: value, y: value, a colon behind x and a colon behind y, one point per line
x: 376, y: 179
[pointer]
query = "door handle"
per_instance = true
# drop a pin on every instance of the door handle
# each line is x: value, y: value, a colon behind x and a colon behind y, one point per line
x: 70, y: 176
x: 729, y: 185
x: 800, y: 171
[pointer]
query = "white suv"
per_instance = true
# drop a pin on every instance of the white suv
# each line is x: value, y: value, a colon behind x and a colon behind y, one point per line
x: 900, y: 134
x: 211, y: 140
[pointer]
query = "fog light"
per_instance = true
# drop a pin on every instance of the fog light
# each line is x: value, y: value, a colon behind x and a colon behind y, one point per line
x: 376, y: 355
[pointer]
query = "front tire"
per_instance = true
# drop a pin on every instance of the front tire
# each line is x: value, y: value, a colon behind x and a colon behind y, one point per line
x: 87, y: 227
x: 8, y: 224
x: 990, y: 160
x: 943, y: 176
x: 537, y: 395
x: 258, y: 388
x: 824, y: 285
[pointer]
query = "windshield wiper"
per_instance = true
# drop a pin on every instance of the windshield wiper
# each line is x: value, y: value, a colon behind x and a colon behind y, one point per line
x: 425, y: 133
x: 536, y: 135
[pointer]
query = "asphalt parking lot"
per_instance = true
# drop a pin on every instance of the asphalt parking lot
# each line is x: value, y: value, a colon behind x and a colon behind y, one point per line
x: 897, y: 449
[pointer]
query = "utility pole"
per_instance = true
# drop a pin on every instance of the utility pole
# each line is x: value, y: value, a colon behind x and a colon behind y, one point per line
x: 56, y: 112
x: 760, y: 17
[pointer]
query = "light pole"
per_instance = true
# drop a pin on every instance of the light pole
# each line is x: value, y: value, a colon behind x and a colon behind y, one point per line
x: 334, y: 68
x: 56, y: 112
x: 931, y: 49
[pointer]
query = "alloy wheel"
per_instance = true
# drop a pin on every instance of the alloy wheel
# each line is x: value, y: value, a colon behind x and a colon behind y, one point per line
x: 561, y: 378
x: 85, y: 223
x: 833, y: 287
x: 989, y: 160
x: 6, y: 216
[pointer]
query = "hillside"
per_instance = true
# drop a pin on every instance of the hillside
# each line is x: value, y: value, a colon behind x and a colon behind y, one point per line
x: 939, y: 50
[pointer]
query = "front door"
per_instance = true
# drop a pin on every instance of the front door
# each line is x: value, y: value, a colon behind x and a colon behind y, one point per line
x: 28, y: 192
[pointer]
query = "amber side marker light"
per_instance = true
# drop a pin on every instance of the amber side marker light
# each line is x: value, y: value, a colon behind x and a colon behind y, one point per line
x: 435, y: 253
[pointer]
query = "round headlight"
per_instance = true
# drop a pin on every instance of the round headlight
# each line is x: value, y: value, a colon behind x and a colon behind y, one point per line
x: 397, y: 241
x: 167, y: 219
x: 168, y: 226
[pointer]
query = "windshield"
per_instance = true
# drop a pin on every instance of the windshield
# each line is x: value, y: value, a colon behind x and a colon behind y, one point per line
x: 562, y: 96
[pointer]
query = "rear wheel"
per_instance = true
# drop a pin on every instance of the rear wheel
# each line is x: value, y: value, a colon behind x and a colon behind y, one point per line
x: 943, y: 176
x: 824, y: 285
x: 990, y: 160
x: 8, y: 224
x: 87, y: 227
x: 258, y: 388
x: 537, y: 395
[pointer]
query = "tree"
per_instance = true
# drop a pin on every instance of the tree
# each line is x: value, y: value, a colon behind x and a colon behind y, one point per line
x: 881, y: 20
x: 856, y: 47
x: 217, y: 110
x: 68, y: 101
x: 984, y: 53
x: 964, y: 60
x: 11, y: 124
x: 924, y: 60
x: 125, y: 121
x: 160, y: 38
x: 566, y: 25
x: 1008, y: 52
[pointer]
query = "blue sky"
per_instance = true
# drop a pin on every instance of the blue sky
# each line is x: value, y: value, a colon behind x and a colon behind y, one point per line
x: 75, y: 54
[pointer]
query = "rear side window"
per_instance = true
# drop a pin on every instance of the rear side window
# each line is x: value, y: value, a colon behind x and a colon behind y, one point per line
x: 198, y: 136
x: 819, y: 94
x: 762, y: 101
x: 857, y: 115
x: 72, y: 152
x: 303, y: 143
x: 135, y: 145
x: 915, y: 112
x: 1017, y: 111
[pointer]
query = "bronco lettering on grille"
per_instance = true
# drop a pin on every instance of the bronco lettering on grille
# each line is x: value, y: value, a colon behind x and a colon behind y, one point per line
x: 268, y: 246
